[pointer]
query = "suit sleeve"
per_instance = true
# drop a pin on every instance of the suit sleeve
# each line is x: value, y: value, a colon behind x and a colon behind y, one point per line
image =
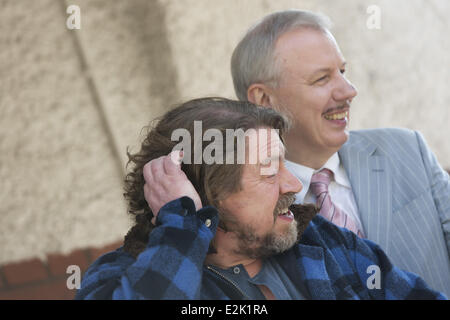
x: 169, y: 268
x: 440, y: 187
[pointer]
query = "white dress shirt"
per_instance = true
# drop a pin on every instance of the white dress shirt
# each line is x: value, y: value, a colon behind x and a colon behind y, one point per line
x: 339, y: 189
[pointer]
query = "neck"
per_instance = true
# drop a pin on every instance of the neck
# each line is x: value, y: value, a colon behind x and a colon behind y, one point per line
x: 308, y: 156
x: 252, y: 266
x: 225, y: 244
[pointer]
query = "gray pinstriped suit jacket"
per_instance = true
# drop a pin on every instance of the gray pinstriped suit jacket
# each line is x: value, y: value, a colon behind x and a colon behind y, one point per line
x: 403, y: 198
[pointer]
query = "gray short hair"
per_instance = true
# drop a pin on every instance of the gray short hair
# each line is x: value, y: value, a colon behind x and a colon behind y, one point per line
x: 253, y: 61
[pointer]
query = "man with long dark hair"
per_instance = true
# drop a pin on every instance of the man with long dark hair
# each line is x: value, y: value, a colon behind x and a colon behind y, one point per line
x: 228, y: 229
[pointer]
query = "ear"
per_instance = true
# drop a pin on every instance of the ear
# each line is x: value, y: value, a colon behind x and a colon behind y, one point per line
x: 261, y: 95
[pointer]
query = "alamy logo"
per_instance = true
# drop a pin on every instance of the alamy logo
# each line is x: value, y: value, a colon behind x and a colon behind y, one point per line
x: 74, y: 20
x: 374, y: 20
x: 374, y: 281
x: 74, y: 280
x: 240, y: 146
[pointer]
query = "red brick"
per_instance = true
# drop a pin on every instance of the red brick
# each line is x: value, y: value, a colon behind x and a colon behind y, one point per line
x: 25, y: 272
x: 2, y: 283
x: 54, y: 290
x: 97, y: 252
x: 58, y: 263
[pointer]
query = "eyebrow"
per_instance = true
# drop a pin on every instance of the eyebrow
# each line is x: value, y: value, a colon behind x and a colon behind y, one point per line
x: 324, y: 70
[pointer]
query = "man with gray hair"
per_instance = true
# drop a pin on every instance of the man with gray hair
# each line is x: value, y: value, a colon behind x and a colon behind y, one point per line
x: 229, y: 230
x: 383, y: 184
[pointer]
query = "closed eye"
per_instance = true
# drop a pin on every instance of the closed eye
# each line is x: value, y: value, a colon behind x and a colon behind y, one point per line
x: 321, y: 79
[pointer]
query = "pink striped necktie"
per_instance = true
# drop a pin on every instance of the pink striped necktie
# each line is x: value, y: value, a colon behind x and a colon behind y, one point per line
x: 319, y: 187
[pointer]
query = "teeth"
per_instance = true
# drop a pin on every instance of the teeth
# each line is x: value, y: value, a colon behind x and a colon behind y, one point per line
x: 337, y: 116
x: 284, y: 211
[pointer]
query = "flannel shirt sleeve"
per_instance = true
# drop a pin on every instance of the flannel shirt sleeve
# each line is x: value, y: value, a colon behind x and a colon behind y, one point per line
x: 393, y: 283
x: 169, y: 268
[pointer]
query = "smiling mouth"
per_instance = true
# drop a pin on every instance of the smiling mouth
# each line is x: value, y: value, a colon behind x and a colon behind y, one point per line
x: 282, y: 207
x: 337, y: 116
x: 285, y: 214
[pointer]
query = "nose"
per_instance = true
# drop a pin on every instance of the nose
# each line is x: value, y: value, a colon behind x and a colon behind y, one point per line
x: 289, y: 183
x: 345, y: 90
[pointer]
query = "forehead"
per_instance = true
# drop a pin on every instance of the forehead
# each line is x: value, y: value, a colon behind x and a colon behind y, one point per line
x: 262, y: 158
x: 263, y: 143
x: 307, y: 49
x: 265, y: 150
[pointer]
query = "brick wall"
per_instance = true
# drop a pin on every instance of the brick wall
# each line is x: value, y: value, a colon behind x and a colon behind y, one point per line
x: 38, y: 280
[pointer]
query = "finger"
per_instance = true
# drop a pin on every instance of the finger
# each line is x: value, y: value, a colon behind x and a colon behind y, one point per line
x: 153, y: 198
x: 146, y: 190
x: 172, y: 163
x: 152, y: 169
x: 147, y: 172
x: 149, y: 195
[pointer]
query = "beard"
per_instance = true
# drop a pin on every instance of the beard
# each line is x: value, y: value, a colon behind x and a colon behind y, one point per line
x: 274, y: 242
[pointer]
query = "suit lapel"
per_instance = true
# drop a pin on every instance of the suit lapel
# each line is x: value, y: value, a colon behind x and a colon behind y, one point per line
x: 369, y: 174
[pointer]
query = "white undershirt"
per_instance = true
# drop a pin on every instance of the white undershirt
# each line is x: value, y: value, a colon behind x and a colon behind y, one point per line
x: 339, y: 189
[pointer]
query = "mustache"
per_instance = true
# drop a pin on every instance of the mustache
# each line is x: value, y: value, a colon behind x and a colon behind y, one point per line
x: 227, y: 224
x: 285, y: 201
x: 344, y: 105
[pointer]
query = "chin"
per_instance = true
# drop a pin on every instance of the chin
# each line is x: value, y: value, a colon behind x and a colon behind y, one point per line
x: 285, y: 239
x: 344, y: 138
x: 337, y: 140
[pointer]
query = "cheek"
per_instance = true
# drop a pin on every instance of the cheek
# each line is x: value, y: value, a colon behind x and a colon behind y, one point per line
x: 308, y: 125
x: 307, y: 108
x: 268, y: 201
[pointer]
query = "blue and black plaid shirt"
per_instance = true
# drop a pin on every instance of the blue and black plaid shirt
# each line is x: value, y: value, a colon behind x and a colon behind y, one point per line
x: 328, y: 263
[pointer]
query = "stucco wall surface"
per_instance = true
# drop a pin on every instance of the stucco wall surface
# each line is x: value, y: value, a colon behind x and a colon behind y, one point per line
x: 72, y: 101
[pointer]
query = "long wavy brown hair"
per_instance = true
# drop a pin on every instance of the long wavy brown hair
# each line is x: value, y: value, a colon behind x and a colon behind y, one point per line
x: 213, y: 182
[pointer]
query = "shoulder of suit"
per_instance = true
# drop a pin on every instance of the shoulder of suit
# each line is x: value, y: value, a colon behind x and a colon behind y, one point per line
x: 385, y: 135
x: 384, y: 132
x: 387, y: 140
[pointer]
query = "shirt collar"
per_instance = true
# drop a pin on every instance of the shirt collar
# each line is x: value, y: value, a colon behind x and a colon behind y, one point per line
x: 304, y: 174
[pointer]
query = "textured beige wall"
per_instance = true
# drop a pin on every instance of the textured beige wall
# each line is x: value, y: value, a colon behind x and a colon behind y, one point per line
x: 401, y: 70
x: 71, y: 101
x: 60, y: 181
